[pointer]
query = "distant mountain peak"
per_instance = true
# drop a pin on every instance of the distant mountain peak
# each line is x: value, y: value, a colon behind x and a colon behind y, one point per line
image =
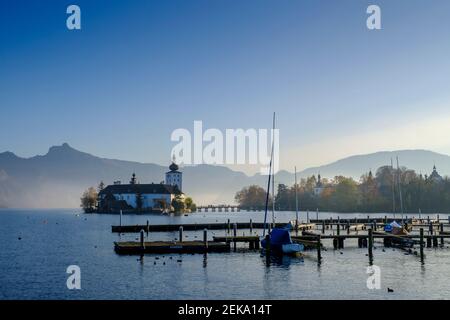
x: 64, y: 148
x: 8, y: 155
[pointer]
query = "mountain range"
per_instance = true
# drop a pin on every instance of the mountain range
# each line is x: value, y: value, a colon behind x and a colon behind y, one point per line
x: 58, y: 178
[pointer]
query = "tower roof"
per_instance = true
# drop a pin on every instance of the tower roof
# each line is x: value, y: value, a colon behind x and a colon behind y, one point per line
x: 173, y: 167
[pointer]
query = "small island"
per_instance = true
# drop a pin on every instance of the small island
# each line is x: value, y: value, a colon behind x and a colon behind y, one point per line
x: 135, y: 197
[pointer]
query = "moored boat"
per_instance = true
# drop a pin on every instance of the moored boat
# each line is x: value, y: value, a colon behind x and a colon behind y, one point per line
x: 280, y: 242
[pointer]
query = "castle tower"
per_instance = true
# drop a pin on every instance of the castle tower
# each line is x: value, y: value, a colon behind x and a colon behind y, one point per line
x: 174, y: 177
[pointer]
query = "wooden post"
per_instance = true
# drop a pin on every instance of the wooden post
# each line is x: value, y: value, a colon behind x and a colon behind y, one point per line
x: 421, y: 244
x: 341, y: 243
x: 441, y: 232
x: 335, y: 243
x: 435, y: 241
x: 323, y: 226
x: 205, y: 238
x: 120, y: 221
x: 181, y: 234
x: 370, y: 246
x: 267, y: 245
x: 338, y: 227
x: 319, y: 256
x: 234, y: 235
x: 148, y: 227
x: 142, y: 239
x: 428, y: 219
x: 348, y: 227
x: 228, y: 226
x: 430, y: 228
x: 251, y: 226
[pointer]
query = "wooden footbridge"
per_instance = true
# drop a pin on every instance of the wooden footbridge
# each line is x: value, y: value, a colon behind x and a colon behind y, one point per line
x: 219, y: 208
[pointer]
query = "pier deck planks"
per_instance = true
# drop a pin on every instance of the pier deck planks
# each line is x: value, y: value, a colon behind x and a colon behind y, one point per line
x: 132, y: 247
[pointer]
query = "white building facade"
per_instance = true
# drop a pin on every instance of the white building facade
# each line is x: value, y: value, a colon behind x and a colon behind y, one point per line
x: 145, y: 197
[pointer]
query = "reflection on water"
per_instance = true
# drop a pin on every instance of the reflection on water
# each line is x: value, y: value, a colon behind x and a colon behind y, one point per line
x: 39, y: 245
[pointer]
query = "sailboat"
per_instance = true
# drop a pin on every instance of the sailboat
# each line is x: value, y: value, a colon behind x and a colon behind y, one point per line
x: 278, y: 241
x: 395, y: 228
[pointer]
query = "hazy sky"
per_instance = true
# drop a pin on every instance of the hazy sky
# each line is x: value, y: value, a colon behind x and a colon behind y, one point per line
x: 140, y: 69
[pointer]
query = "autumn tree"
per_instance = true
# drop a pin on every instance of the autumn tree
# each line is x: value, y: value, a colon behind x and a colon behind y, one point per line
x: 251, y: 197
x: 89, y: 200
x: 178, y: 204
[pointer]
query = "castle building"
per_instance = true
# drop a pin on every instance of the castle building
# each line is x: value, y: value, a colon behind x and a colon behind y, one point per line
x: 141, y: 197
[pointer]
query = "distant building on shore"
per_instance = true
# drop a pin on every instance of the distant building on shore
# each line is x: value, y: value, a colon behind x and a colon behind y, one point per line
x: 319, y: 186
x: 435, y: 176
x: 142, y: 197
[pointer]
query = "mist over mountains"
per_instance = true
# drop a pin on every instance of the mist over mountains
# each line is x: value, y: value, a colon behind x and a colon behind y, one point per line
x: 57, y: 179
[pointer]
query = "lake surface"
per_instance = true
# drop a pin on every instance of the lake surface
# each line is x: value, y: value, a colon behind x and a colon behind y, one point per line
x: 34, y: 267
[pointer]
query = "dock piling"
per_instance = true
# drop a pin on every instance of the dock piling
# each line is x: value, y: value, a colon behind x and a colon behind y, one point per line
x: 421, y: 244
x: 205, y: 238
x: 181, y: 234
x: 120, y: 221
x: 441, y: 231
x: 251, y: 226
x: 142, y: 239
x: 148, y: 227
x: 319, y: 255
x: 370, y: 246
x: 234, y: 234
x: 267, y: 248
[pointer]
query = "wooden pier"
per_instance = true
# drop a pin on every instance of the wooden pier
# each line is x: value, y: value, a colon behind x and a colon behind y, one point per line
x: 312, y: 236
x: 134, y: 247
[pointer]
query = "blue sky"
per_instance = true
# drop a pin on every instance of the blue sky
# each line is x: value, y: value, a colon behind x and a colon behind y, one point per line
x: 140, y: 69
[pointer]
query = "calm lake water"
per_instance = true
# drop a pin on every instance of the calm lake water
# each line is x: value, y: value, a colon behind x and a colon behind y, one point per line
x: 51, y: 240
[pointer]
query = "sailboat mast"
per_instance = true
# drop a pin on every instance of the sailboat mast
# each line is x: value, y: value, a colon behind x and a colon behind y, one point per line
x: 393, y: 188
x: 296, y: 198
x: 268, y: 181
x: 400, y: 189
x: 273, y: 171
